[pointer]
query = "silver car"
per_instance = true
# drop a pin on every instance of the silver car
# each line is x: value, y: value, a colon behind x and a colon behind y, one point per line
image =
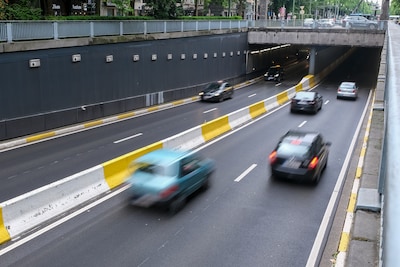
x: 347, y: 90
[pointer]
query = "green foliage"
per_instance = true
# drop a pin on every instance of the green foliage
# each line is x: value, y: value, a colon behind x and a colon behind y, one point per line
x: 395, y: 7
x: 99, y: 18
x: 165, y: 9
x: 210, y: 18
x: 21, y: 10
x: 123, y: 7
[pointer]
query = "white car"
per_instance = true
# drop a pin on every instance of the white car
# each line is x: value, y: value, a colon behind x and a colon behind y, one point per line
x: 347, y: 90
x: 309, y: 22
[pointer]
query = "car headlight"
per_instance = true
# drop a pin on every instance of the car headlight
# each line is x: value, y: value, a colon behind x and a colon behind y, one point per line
x: 216, y: 94
x: 201, y: 93
x: 276, y: 75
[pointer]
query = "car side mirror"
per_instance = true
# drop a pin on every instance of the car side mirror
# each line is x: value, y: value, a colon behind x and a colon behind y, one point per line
x: 328, y: 143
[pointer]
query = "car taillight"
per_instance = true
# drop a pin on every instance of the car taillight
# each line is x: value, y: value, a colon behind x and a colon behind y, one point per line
x: 313, y: 163
x: 167, y: 192
x: 272, y: 157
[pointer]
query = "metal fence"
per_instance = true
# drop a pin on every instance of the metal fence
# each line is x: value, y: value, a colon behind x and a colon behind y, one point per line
x: 13, y: 31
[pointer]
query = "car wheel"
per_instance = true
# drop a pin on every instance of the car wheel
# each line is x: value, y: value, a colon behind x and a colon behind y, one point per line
x: 206, y: 183
x: 221, y: 98
x: 176, y: 205
x: 371, y: 26
x: 317, y: 178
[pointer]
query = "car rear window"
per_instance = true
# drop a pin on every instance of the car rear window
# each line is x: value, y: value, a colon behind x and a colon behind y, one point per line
x: 305, y: 95
x: 347, y: 85
x: 296, y: 149
x: 157, y: 169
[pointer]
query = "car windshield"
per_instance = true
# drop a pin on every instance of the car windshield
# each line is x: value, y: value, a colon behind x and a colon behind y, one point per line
x: 273, y: 70
x: 212, y: 87
x: 287, y: 149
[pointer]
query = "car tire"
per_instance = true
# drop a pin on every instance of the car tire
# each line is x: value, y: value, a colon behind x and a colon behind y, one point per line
x: 372, y: 27
x: 317, y: 178
x: 206, y: 183
x: 176, y: 205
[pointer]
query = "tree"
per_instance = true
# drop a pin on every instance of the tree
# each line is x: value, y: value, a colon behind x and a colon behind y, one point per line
x: 123, y: 6
x: 21, y: 10
x: 165, y: 9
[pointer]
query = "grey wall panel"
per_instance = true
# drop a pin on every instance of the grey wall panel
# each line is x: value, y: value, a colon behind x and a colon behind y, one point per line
x: 25, y: 126
x: 60, y: 85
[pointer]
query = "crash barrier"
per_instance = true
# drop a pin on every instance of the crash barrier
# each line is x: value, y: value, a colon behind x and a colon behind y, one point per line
x: 23, y: 213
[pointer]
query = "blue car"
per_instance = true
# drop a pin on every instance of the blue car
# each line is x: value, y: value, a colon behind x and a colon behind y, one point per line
x: 168, y: 177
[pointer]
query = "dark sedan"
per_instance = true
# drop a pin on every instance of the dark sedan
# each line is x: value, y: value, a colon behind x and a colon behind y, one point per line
x: 306, y: 101
x: 300, y: 155
x: 217, y: 92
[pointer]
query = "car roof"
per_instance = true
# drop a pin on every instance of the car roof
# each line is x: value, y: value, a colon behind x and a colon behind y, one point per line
x: 162, y: 156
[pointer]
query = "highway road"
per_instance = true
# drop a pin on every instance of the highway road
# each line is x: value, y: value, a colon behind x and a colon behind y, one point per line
x: 251, y: 221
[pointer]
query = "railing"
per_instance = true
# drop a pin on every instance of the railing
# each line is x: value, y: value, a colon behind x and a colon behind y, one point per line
x: 12, y: 31
x: 299, y: 23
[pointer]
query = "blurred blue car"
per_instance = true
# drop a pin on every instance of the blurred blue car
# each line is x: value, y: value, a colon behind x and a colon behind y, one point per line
x: 168, y: 177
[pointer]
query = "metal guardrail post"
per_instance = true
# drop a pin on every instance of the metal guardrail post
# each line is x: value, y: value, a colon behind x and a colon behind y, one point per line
x: 209, y: 25
x: 121, y: 28
x: 91, y: 29
x: 144, y: 27
x: 55, y: 30
x: 165, y: 27
x: 182, y: 26
x: 9, y: 32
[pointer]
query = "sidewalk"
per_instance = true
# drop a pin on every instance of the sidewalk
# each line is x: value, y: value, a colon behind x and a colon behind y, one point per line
x: 358, y: 241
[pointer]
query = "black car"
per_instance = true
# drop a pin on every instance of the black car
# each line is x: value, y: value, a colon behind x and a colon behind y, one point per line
x: 217, y: 91
x: 307, y: 101
x: 300, y: 155
x: 274, y: 73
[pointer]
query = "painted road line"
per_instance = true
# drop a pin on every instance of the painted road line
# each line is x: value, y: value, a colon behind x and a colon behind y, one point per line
x: 127, y: 138
x: 240, y: 177
x: 302, y: 124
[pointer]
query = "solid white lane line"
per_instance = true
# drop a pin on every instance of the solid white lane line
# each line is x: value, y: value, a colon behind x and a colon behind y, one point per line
x: 127, y: 138
x: 245, y: 173
x: 302, y: 124
x: 326, y: 102
x: 252, y: 95
x: 210, y: 110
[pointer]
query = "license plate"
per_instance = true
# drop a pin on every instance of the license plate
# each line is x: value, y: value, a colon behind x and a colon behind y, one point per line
x: 145, y: 200
x: 294, y: 164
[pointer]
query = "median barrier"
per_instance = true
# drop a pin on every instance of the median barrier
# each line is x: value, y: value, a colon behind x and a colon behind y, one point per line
x: 23, y: 213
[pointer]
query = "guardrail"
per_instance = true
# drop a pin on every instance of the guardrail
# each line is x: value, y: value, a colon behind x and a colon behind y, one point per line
x: 12, y: 31
x: 299, y: 23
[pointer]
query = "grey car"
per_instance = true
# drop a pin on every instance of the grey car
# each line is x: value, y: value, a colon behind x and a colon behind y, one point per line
x: 359, y: 22
x: 347, y: 90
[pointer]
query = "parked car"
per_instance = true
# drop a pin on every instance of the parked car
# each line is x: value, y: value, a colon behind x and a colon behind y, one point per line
x: 274, y: 73
x: 168, y: 177
x: 325, y: 23
x: 347, y: 90
x: 300, y: 155
x: 217, y: 91
x: 359, y: 22
x: 307, y: 101
x: 309, y: 22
